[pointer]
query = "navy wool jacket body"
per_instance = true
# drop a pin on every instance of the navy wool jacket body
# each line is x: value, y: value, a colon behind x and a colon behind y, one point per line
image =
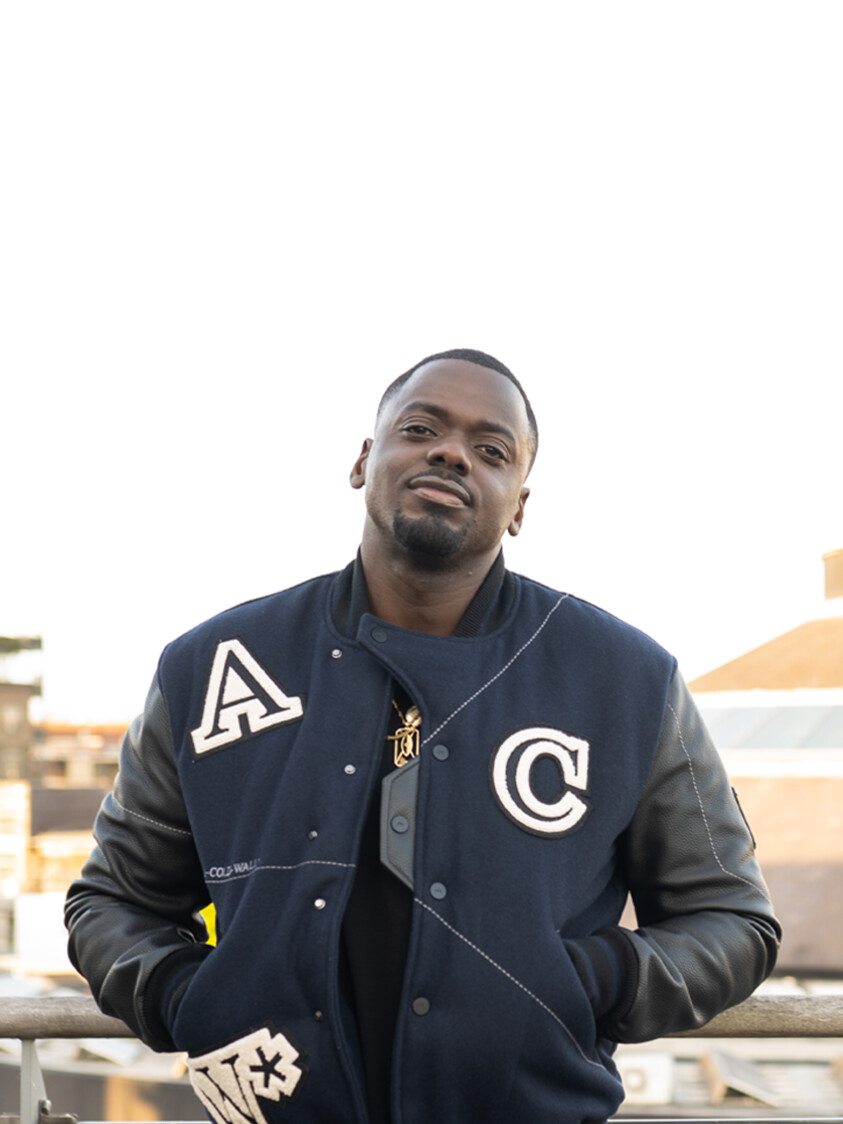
x: 562, y: 767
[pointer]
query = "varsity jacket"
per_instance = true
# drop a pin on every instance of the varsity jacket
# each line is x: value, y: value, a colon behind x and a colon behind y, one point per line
x: 563, y: 766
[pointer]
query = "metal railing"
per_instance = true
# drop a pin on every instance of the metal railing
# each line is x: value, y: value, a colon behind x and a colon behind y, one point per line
x: 761, y: 1016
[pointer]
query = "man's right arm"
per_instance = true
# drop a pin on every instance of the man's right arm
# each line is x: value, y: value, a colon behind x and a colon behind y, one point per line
x: 135, y: 934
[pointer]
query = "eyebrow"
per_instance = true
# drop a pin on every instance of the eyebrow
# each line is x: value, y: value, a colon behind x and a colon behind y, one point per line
x: 445, y: 414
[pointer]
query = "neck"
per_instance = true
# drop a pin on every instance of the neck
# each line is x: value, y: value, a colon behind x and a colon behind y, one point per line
x: 425, y: 600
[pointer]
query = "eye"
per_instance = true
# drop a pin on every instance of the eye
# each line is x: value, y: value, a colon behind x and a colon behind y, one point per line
x: 416, y: 429
x: 494, y: 452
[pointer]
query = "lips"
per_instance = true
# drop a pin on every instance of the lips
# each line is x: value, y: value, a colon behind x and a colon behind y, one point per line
x: 441, y: 490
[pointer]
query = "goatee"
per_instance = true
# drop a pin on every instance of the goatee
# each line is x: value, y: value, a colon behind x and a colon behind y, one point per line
x: 429, y: 536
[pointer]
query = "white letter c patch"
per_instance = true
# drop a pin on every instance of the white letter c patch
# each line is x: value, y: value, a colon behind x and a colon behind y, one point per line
x: 512, y: 782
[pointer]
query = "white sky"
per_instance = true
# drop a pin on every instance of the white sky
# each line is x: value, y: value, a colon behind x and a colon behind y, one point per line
x: 225, y: 227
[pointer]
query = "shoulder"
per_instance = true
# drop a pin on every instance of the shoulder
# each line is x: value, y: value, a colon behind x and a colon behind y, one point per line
x: 257, y: 617
x: 594, y: 629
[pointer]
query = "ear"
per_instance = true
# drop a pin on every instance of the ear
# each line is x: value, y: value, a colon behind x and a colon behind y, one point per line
x: 358, y: 472
x: 515, y: 526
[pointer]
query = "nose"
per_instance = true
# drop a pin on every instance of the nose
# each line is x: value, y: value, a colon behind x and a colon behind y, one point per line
x: 450, y: 451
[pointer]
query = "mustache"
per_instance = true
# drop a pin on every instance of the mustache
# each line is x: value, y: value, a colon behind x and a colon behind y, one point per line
x: 448, y: 477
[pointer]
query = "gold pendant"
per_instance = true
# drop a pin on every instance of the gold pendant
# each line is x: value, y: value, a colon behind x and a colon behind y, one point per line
x: 406, y: 737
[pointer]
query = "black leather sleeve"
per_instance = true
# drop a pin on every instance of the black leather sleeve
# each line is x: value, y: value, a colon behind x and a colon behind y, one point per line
x: 132, y: 915
x: 707, y: 934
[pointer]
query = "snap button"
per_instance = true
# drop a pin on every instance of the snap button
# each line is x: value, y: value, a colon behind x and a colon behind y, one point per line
x: 441, y: 752
x: 318, y: 1016
x: 380, y: 634
x: 350, y: 769
x: 336, y: 654
x: 311, y: 835
x: 399, y: 824
x: 438, y: 891
x: 320, y: 903
x: 421, y: 1005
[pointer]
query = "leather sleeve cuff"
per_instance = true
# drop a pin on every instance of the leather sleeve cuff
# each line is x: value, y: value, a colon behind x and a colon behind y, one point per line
x: 607, y: 965
x: 165, y: 990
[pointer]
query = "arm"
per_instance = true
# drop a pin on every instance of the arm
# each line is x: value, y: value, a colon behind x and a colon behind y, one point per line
x: 134, y: 933
x: 707, y: 934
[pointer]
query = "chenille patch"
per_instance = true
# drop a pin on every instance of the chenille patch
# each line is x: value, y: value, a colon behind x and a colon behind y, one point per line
x: 511, y: 775
x: 241, y: 700
x: 232, y: 1080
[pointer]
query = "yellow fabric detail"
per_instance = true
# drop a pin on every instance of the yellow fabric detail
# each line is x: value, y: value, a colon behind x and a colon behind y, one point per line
x: 210, y: 917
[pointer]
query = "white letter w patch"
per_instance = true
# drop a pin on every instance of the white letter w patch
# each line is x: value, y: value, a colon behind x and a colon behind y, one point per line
x: 241, y: 700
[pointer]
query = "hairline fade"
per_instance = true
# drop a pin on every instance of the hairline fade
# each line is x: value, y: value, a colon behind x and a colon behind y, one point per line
x: 480, y: 359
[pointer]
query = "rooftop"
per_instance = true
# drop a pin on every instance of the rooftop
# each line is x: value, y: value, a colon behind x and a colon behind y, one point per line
x: 808, y: 657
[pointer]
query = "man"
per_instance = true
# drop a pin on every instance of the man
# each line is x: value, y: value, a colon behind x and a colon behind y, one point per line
x: 418, y: 792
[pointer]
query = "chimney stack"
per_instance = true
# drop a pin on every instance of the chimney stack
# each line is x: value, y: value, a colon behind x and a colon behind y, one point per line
x: 833, y: 574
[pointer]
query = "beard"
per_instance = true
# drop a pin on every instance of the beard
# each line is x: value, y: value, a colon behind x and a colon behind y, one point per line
x: 430, y: 537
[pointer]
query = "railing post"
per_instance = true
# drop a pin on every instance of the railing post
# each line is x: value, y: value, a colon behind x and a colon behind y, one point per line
x: 32, y: 1091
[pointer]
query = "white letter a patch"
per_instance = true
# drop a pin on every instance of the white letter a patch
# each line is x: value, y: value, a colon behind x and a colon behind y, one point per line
x: 241, y: 700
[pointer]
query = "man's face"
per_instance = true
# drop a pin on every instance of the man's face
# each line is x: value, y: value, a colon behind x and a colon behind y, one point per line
x: 444, y: 473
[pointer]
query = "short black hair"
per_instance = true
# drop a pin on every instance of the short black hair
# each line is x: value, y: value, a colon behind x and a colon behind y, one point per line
x: 480, y: 359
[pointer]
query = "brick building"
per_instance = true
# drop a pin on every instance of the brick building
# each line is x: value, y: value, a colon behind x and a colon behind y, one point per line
x: 776, y: 714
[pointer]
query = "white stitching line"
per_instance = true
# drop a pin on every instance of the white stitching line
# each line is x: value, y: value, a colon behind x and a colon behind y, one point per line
x: 730, y: 873
x: 497, y: 674
x: 156, y: 823
x: 512, y: 979
x: 268, y: 866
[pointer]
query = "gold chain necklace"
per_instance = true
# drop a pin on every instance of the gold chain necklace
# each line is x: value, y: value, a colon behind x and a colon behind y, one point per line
x: 406, y: 737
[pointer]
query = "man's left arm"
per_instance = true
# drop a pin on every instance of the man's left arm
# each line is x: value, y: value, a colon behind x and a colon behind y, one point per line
x: 707, y: 934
